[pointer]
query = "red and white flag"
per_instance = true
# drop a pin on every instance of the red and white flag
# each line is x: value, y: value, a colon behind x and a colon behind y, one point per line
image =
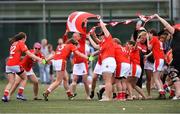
x: 177, y: 26
x: 127, y: 21
x: 113, y: 23
x: 145, y: 18
x: 76, y: 19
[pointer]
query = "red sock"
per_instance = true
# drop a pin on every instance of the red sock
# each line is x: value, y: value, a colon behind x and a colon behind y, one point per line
x: 162, y: 92
x: 20, y: 90
x: 119, y: 95
x: 172, y: 92
x: 165, y: 86
x: 69, y: 94
x: 6, y: 93
x: 124, y: 95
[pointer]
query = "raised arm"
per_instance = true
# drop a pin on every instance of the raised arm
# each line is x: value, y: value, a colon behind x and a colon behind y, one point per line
x: 65, y: 36
x: 148, y: 42
x: 95, y: 37
x: 92, y: 42
x: 103, y: 27
x: 166, y: 24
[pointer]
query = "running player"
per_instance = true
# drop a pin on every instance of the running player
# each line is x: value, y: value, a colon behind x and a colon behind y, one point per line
x: 60, y: 64
x: 13, y: 66
x: 80, y: 67
x: 27, y: 64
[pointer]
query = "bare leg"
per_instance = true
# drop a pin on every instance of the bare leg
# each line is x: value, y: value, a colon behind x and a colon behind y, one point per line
x: 158, y: 81
x: 34, y: 80
x: 86, y: 86
x: 149, y: 74
x: 65, y: 81
x: 177, y: 88
x: 95, y: 76
x: 23, y: 76
x: 108, y: 84
x: 11, y: 80
x: 56, y: 83
x: 73, y: 84
x: 15, y: 85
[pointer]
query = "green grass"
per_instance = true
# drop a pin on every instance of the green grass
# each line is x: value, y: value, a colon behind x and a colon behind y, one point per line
x: 58, y: 103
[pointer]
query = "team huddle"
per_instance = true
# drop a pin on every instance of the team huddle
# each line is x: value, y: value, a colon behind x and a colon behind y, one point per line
x: 121, y: 65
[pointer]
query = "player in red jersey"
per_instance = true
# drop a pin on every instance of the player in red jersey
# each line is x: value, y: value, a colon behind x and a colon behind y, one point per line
x: 61, y: 42
x: 27, y: 64
x: 107, y: 61
x: 97, y: 70
x: 157, y: 49
x: 175, y: 32
x: 13, y: 66
x: 80, y: 65
x: 135, y: 70
x: 59, y: 64
x: 122, y: 69
x: 107, y: 53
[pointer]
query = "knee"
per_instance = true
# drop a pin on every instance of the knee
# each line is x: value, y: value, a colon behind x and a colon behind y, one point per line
x: 74, y: 83
x: 35, y: 82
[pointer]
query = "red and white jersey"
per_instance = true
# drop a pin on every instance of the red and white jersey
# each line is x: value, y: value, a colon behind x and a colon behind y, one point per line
x: 121, y: 55
x: 142, y: 47
x: 16, y: 50
x: 64, y: 51
x: 81, y: 48
x: 135, y: 56
x: 157, y: 48
x: 28, y: 62
x: 107, y: 48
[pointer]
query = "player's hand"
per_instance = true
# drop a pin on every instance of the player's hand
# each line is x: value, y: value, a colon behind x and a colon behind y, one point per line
x: 156, y: 15
x: 92, y: 31
x: 98, y: 17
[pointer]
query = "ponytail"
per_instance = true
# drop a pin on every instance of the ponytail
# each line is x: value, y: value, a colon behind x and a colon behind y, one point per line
x: 17, y: 37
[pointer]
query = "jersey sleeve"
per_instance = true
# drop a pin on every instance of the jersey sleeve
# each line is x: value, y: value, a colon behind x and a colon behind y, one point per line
x: 73, y: 48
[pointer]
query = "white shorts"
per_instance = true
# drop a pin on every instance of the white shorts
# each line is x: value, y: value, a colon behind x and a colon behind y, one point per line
x: 135, y: 70
x: 148, y: 65
x: 109, y: 65
x: 98, y: 69
x: 123, y: 70
x: 14, y: 69
x: 29, y: 73
x: 80, y: 69
x: 158, y: 65
x: 59, y: 65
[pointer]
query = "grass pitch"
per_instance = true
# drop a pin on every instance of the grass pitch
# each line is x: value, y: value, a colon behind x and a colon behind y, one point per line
x: 58, y: 103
